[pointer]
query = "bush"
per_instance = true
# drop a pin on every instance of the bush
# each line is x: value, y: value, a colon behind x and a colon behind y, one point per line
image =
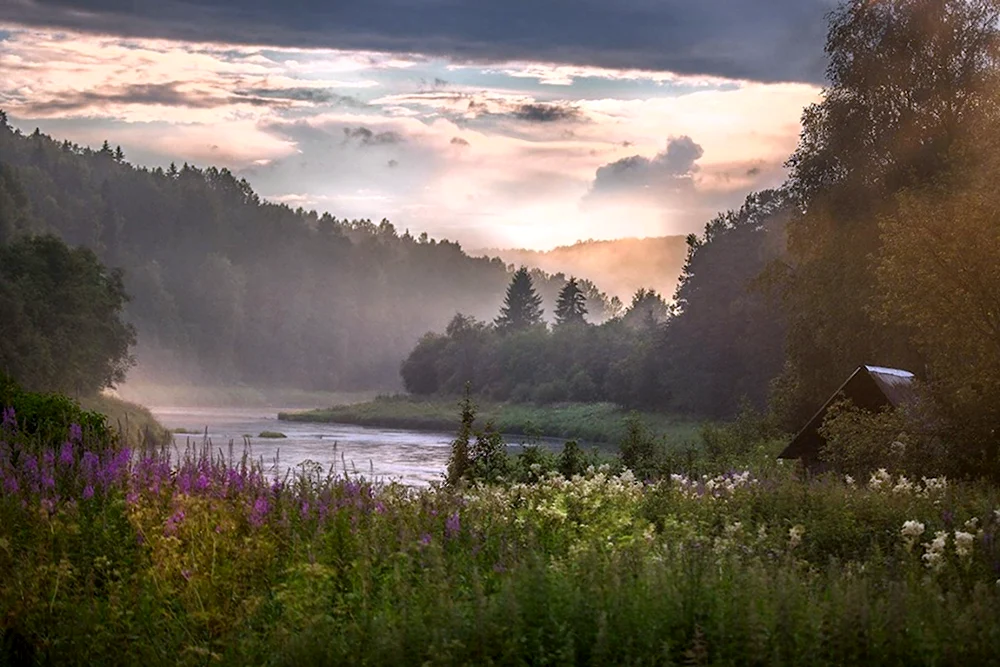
x: 45, y: 419
x: 859, y: 441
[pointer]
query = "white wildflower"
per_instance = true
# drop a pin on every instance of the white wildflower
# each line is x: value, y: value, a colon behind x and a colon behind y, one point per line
x: 879, y: 479
x: 795, y: 536
x: 912, y: 529
x: 972, y: 525
x: 934, y: 550
x: 963, y: 543
x: 903, y: 485
x: 849, y: 480
x: 627, y: 476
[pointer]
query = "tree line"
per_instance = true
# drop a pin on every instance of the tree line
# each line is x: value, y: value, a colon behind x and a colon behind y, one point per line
x: 225, y: 287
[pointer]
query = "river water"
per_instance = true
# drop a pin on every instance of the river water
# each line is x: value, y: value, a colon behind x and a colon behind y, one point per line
x: 410, y: 457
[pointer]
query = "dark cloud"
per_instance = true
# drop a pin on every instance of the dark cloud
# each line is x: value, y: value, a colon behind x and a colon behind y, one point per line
x: 313, y: 95
x: 546, y: 113
x: 764, y: 40
x: 368, y: 137
x: 158, y: 94
x: 459, y: 141
x: 665, y: 173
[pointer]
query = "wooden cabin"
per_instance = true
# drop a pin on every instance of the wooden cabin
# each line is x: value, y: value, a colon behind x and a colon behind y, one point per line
x: 870, y: 388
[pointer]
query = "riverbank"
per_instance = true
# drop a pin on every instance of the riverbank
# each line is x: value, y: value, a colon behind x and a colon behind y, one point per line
x: 598, y: 423
x: 135, y: 422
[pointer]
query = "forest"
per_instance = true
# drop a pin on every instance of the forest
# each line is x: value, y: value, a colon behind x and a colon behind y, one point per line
x: 227, y: 288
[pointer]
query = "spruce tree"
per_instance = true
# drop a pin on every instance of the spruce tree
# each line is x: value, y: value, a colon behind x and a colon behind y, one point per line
x: 522, y: 307
x: 571, y: 305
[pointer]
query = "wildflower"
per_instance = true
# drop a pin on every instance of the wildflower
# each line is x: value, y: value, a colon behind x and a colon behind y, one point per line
x: 795, y: 534
x: 258, y: 512
x: 66, y: 453
x: 903, y: 485
x: 75, y: 433
x: 911, y: 531
x: 452, y: 526
x: 963, y: 543
x: 849, y: 480
x: 934, y: 550
x: 9, y: 418
x: 879, y: 479
x: 425, y: 539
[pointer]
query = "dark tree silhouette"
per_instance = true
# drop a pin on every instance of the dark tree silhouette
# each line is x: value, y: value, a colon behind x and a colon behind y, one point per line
x: 571, y: 307
x: 522, y: 307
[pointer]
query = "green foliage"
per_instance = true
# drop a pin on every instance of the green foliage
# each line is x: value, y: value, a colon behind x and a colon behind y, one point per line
x: 859, y: 442
x: 571, y: 306
x: 908, y: 79
x: 522, y: 307
x: 639, y: 451
x: 63, y: 328
x: 272, y: 435
x: 44, y: 419
x: 460, y: 460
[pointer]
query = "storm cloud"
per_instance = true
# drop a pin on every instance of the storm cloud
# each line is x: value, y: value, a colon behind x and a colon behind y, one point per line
x: 761, y: 40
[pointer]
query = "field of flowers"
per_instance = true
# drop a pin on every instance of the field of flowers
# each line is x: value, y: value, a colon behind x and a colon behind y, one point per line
x: 112, y: 556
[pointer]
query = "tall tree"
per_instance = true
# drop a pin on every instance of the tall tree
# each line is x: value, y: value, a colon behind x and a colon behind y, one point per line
x: 905, y: 79
x: 522, y: 307
x: 571, y: 306
x: 67, y: 309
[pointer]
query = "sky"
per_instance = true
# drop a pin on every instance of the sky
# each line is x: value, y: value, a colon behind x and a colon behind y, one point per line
x: 497, y: 123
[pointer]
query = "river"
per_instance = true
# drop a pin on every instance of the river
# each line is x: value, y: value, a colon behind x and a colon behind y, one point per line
x: 413, y: 458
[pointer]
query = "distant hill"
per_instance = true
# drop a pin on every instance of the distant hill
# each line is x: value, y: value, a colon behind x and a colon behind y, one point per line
x: 620, y: 267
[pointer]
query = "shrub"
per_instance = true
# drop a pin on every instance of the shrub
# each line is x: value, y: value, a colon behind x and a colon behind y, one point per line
x: 45, y: 419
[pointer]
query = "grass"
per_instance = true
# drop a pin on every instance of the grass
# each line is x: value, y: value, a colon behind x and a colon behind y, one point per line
x: 591, y: 422
x: 271, y: 435
x: 135, y: 422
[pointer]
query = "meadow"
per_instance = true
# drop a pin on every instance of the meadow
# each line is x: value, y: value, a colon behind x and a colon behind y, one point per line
x: 597, y: 423
x: 121, y: 556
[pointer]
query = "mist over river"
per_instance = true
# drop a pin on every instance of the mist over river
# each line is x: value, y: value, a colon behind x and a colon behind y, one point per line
x: 411, y: 457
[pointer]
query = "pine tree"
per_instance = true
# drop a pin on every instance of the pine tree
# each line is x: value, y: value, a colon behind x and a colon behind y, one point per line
x: 572, y: 304
x: 522, y: 307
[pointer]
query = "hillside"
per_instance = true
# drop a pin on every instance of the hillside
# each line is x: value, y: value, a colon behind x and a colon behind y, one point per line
x: 227, y: 288
x: 620, y: 267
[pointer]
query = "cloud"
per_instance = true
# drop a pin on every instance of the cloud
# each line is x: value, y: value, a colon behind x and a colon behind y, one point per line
x: 763, y: 40
x: 367, y: 137
x: 155, y: 94
x: 661, y: 175
x: 546, y: 113
x: 303, y: 94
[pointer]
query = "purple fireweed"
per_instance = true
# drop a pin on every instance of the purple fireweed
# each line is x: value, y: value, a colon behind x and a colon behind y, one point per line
x: 66, y: 454
x: 9, y: 419
x: 452, y: 526
x: 88, y: 492
x: 258, y: 512
x: 75, y: 433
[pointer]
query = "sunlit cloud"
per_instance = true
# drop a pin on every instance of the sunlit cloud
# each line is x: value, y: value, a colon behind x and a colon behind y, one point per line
x: 492, y: 154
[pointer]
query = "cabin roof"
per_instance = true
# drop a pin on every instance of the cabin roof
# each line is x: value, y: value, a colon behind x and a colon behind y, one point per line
x: 870, y: 388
